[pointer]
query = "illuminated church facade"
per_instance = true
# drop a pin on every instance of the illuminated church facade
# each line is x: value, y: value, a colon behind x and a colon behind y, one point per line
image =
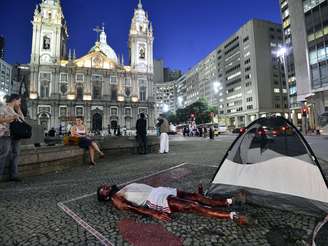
x: 97, y: 86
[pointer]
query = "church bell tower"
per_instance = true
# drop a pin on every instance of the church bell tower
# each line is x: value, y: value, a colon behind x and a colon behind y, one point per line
x: 141, y: 42
x: 49, y: 42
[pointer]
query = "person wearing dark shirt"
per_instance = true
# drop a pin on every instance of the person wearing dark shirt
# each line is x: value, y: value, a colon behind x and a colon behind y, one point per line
x: 142, y: 134
x: 52, y: 132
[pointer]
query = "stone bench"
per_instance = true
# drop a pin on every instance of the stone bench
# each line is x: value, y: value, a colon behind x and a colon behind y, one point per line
x: 45, y: 159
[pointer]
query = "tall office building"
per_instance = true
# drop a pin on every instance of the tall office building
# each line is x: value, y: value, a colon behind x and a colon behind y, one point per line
x: 2, y: 47
x: 158, y: 71
x: 242, y: 76
x: 165, y: 96
x: 164, y: 89
x: 5, y: 79
x: 305, y: 25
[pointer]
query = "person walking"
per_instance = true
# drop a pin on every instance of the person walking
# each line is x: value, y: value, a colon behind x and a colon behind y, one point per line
x: 141, y: 128
x: 85, y: 142
x: 211, y: 133
x: 164, y: 137
x: 9, y: 147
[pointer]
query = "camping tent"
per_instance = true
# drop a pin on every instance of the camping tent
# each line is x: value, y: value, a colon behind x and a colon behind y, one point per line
x: 275, y: 165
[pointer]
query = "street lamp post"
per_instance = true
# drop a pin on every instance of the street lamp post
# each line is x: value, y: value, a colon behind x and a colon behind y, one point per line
x: 281, y: 54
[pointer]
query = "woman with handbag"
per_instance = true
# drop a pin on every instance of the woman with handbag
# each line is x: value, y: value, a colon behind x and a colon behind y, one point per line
x: 85, y: 142
x: 9, y: 147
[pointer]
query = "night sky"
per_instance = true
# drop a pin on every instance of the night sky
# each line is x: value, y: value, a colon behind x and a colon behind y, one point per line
x: 185, y: 30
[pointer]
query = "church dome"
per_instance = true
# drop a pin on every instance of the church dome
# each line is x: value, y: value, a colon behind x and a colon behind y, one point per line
x: 104, y: 47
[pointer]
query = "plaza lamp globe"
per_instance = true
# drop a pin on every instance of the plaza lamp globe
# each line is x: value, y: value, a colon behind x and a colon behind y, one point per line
x: 165, y: 108
x: 282, y: 51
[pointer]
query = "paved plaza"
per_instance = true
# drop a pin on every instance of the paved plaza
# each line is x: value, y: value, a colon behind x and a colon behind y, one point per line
x: 61, y: 208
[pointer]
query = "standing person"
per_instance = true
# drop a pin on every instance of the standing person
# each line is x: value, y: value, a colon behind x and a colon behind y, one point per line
x: 205, y: 132
x: 9, y: 147
x: 124, y: 131
x: 60, y: 129
x: 52, y: 132
x: 68, y: 128
x: 108, y: 129
x: 118, y: 132
x: 211, y: 133
x: 80, y: 131
x: 141, y: 128
x: 158, y: 131
x: 164, y: 137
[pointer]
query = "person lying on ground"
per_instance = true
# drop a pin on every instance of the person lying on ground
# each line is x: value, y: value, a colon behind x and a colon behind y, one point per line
x: 160, y: 202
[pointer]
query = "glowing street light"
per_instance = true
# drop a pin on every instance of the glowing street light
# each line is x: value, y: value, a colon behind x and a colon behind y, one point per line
x: 216, y: 86
x: 180, y: 100
x: 2, y: 97
x: 165, y: 108
x: 281, y: 54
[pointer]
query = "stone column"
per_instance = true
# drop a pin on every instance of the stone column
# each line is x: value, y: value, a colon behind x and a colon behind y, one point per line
x: 87, y: 115
x: 294, y: 117
x: 236, y: 121
x: 247, y: 120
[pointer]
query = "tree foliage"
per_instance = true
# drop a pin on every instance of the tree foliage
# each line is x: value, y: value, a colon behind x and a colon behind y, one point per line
x: 200, y: 109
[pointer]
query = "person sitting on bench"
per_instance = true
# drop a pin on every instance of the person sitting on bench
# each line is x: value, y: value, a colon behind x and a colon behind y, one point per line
x: 160, y: 202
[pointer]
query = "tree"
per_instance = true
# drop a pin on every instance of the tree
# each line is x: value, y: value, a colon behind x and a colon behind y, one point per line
x: 171, y: 117
x: 199, y: 109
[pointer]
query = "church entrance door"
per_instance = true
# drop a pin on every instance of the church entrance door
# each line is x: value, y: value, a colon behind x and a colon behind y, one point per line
x: 97, y: 122
x: 113, y: 124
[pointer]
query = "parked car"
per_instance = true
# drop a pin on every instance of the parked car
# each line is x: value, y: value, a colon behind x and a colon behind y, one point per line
x: 238, y: 130
x: 173, y: 130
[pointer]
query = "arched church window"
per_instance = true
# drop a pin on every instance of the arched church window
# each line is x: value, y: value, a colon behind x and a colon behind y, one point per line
x: 45, y: 84
x: 114, y: 93
x: 142, y: 93
x: 142, y: 90
x: 128, y: 91
x: 44, y: 89
x: 63, y: 88
x: 96, y: 90
x: 63, y: 83
x: 142, y: 54
x: 79, y: 93
x: 46, y: 42
x: 127, y: 86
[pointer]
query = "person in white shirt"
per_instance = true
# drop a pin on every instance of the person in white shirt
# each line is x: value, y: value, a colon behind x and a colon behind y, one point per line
x: 9, y: 147
x: 160, y: 202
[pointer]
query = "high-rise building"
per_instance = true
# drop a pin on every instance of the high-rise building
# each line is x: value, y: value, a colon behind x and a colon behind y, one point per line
x: 97, y: 86
x: 5, y: 79
x: 305, y: 25
x: 2, y: 47
x: 165, y: 87
x: 171, y: 74
x: 158, y: 71
x: 165, y: 96
x: 242, y: 76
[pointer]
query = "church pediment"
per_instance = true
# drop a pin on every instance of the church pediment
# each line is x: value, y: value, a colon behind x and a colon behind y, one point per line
x: 96, y: 59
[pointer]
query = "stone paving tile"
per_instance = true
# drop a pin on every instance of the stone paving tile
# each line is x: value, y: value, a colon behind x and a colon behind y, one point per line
x: 30, y: 215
